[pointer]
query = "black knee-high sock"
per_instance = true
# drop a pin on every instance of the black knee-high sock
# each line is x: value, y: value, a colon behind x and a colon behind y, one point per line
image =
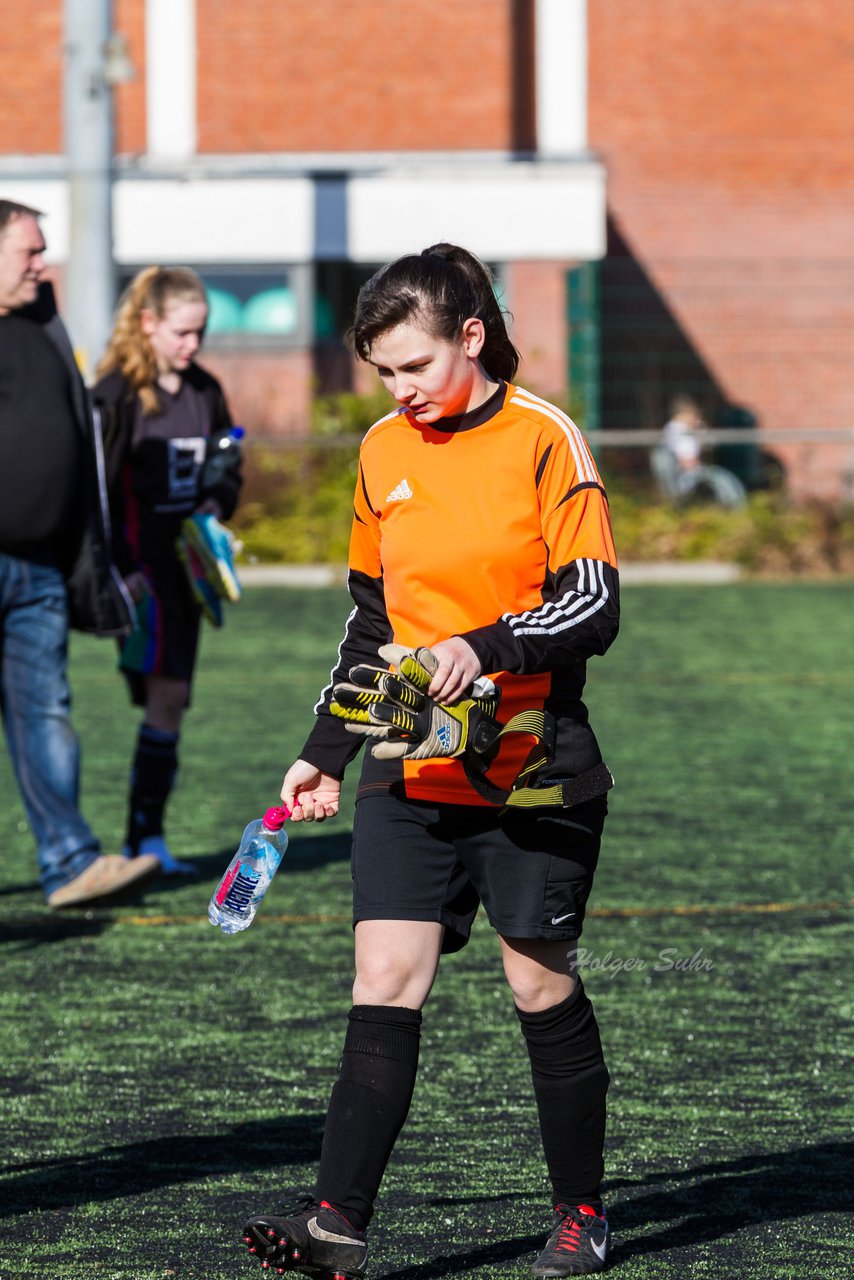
x: 370, y: 1101
x: 570, y: 1083
x: 152, y: 777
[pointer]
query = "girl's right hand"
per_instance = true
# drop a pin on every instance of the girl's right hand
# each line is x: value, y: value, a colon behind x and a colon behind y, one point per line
x: 310, y: 794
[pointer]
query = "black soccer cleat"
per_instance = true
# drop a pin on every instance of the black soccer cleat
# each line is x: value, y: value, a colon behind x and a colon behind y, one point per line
x: 578, y: 1244
x: 314, y: 1239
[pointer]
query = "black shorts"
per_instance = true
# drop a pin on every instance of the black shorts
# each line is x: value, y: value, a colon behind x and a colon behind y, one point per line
x: 531, y: 871
x: 165, y: 639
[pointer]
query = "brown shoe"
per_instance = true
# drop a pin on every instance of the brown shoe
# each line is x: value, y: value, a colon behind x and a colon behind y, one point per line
x: 106, y: 877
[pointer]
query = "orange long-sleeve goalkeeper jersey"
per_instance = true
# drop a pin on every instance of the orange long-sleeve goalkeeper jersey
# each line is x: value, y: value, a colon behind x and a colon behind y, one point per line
x: 493, y: 526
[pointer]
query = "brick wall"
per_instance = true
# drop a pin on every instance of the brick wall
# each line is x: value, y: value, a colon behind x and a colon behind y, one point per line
x: 731, y: 177
x: 329, y: 75
x: 129, y: 19
x: 333, y: 75
x: 745, y: 94
x: 269, y: 392
x: 31, y: 76
x: 31, y: 79
x: 536, y: 299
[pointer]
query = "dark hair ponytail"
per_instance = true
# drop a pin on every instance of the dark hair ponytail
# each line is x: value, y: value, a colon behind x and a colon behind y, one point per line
x: 439, y: 288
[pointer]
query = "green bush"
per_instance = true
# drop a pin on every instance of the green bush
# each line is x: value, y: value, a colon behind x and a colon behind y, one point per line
x: 298, y: 503
x: 770, y: 535
x: 347, y: 413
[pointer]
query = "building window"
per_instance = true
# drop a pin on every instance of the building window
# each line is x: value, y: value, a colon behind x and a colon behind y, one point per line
x: 256, y: 306
x: 262, y: 304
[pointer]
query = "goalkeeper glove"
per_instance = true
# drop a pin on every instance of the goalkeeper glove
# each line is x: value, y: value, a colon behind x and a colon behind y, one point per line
x: 395, y: 710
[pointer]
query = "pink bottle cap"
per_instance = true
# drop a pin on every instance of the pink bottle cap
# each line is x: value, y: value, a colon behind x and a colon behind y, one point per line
x: 275, y: 818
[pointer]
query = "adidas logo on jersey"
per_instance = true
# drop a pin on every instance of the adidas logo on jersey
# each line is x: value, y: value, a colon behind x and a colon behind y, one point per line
x: 400, y: 493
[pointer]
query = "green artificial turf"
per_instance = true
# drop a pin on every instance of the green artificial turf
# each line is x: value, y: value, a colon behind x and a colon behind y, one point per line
x: 161, y: 1081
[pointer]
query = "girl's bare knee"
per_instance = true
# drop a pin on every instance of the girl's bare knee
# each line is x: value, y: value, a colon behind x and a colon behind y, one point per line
x: 396, y: 961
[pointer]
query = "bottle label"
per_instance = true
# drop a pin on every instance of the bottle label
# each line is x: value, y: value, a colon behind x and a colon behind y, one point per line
x: 237, y: 888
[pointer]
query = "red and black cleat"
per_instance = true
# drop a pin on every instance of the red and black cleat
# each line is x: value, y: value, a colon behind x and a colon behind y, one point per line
x: 578, y: 1244
x: 315, y: 1239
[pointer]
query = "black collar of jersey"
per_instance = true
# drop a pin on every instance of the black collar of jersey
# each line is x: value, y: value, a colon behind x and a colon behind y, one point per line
x: 476, y: 417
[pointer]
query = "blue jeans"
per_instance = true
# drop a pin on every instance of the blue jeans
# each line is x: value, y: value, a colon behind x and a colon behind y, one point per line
x: 35, y: 704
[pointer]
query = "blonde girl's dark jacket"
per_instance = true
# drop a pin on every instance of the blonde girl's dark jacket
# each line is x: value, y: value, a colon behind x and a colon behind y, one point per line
x: 117, y: 404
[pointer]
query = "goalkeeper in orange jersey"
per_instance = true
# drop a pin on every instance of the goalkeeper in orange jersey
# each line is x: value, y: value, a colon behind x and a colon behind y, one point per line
x: 483, y: 576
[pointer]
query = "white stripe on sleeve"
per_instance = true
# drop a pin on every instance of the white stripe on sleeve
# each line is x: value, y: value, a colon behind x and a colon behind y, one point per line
x: 584, y: 463
x: 569, y: 610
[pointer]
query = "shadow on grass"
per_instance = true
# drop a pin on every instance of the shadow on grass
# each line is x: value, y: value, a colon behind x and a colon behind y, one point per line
x: 708, y: 1202
x: 320, y: 850
x: 722, y: 1198
x: 728, y: 1196
x: 493, y: 1254
x: 138, y: 1167
x: 34, y: 929
x: 306, y: 853
x: 28, y: 886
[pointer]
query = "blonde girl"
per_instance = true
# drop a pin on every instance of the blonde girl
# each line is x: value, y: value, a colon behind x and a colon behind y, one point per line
x: 161, y: 414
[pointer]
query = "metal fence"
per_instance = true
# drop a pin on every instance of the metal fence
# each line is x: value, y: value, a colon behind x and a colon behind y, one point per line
x: 810, y: 463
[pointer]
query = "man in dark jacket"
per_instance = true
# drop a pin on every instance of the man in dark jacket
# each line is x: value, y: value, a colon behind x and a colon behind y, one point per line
x: 55, y: 566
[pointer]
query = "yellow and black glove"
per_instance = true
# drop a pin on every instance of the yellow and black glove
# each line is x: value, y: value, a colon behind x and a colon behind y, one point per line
x: 394, y: 709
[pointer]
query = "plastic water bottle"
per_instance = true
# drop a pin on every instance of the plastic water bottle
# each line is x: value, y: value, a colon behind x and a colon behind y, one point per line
x: 250, y: 872
x: 224, y: 454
